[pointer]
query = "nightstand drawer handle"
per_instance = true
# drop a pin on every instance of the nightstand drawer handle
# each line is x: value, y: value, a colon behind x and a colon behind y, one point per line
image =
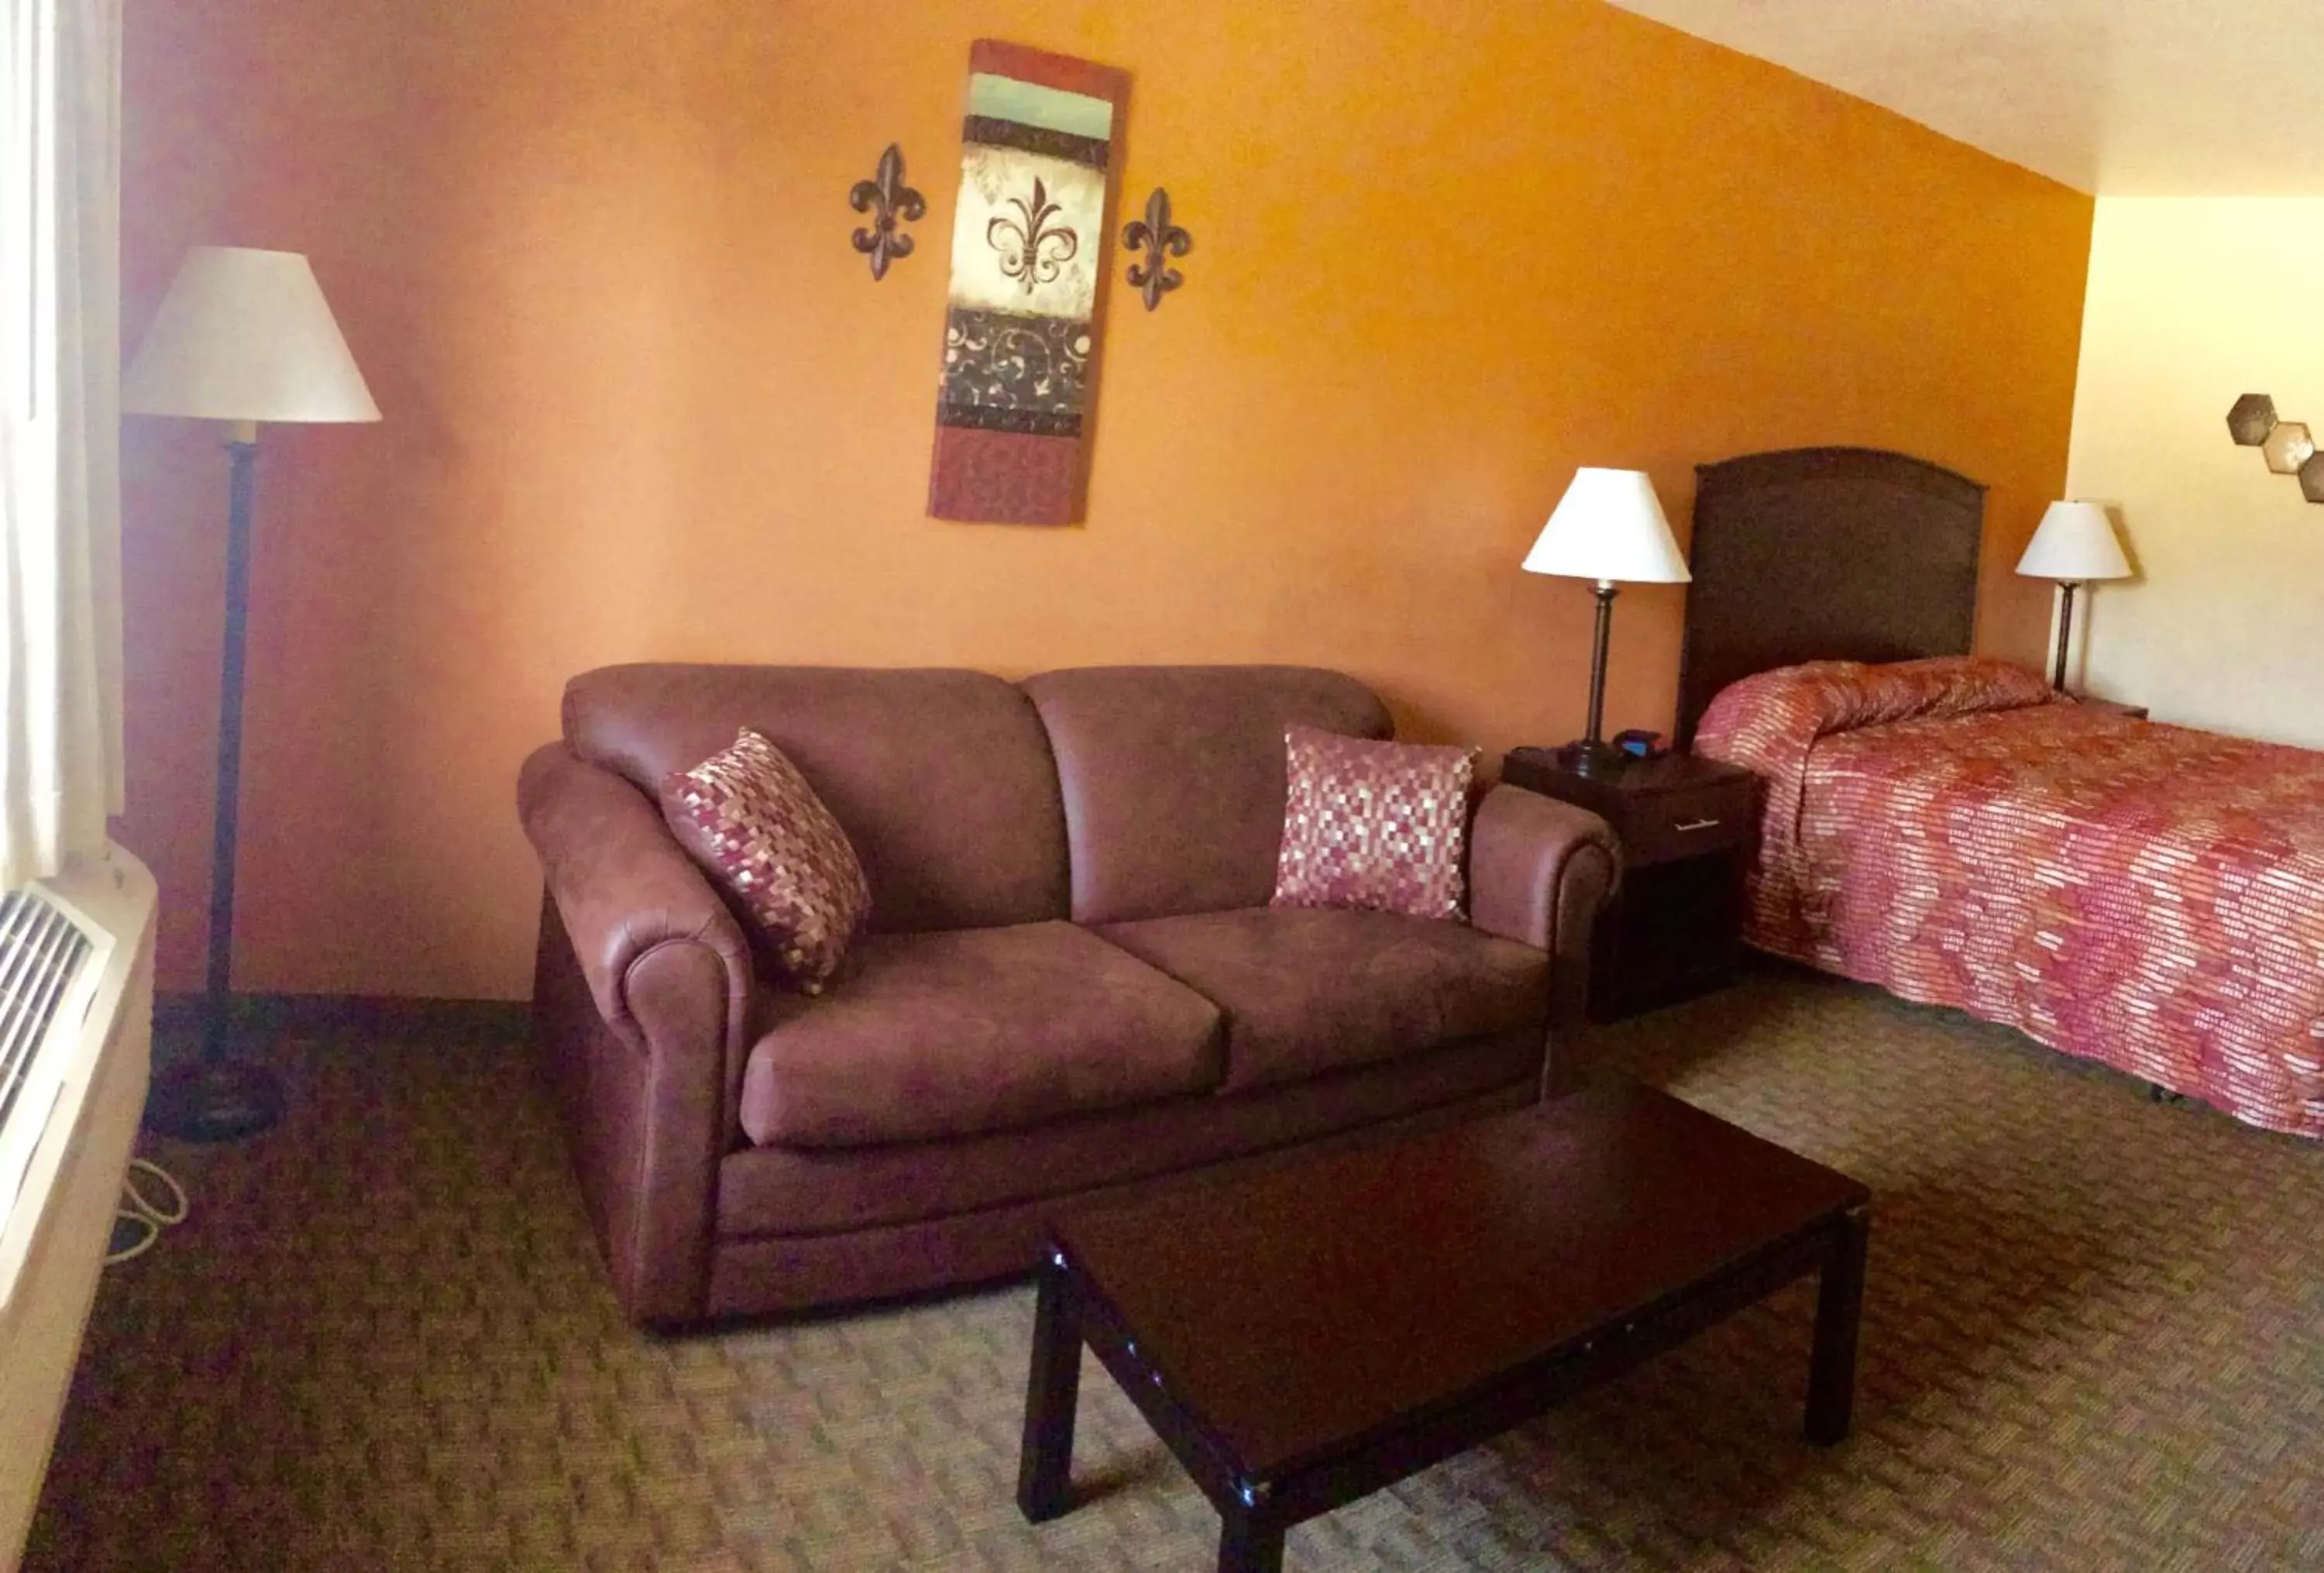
x: 1696, y: 824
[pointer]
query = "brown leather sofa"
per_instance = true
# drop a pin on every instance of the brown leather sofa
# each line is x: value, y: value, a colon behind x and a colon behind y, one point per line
x: 1073, y: 986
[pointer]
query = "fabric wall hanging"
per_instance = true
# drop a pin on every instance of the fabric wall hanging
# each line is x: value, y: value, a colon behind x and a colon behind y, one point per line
x: 1029, y: 248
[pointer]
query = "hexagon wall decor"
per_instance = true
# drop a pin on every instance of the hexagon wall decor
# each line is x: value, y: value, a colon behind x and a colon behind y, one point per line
x: 2250, y: 420
x: 2288, y: 447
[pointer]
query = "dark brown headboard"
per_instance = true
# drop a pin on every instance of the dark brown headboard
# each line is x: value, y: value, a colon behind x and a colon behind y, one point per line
x: 1825, y: 554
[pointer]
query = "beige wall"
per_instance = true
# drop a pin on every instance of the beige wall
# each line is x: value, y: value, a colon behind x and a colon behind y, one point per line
x: 2191, y: 302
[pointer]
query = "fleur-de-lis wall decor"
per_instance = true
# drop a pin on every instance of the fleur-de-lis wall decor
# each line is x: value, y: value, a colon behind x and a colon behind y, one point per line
x: 891, y: 202
x: 1033, y: 250
x: 1160, y: 240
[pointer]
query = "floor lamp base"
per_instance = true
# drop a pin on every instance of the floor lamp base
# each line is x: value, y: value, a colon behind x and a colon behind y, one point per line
x: 213, y: 1100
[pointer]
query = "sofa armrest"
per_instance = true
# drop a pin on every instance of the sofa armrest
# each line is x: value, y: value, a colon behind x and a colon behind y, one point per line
x: 642, y: 1007
x: 625, y: 889
x: 1539, y: 872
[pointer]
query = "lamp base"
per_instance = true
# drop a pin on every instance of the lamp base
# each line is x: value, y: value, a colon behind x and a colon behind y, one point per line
x: 1584, y: 757
x: 213, y: 1100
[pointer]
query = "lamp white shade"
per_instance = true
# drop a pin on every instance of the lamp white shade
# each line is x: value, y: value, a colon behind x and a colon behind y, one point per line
x: 1609, y: 526
x: 2075, y: 543
x: 246, y: 335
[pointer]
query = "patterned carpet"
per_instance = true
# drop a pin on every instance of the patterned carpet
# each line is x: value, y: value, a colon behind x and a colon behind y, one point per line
x: 2094, y: 1338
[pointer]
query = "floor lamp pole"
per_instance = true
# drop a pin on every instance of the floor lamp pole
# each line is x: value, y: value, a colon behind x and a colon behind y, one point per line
x: 2065, y: 633
x: 216, y: 1099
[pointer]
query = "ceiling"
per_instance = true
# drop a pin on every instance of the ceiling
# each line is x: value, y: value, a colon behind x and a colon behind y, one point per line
x: 2123, y: 97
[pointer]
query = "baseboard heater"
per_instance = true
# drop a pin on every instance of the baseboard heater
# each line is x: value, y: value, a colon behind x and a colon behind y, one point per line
x: 76, y: 1049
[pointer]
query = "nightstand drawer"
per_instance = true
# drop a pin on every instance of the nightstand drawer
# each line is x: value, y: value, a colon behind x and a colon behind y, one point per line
x: 1686, y: 823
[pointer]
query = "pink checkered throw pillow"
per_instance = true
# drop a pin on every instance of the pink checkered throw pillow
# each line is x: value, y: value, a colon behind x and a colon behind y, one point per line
x: 749, y: 817
x: 1373, y: 826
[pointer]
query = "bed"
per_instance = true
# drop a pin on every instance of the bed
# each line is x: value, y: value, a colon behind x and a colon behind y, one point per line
x: 2149, y: 897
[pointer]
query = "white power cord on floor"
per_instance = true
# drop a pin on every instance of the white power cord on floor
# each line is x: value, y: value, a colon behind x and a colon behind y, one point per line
x: 140, y: 1210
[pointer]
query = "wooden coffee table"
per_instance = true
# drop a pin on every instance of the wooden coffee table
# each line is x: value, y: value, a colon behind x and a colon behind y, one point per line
x: 1304, y: 1336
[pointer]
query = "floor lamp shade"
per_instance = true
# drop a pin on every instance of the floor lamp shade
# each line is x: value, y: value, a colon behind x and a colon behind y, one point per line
x: 242, y: 336
x: 246, y: 335
x: 2074, y: 544
x: 1607, y: 527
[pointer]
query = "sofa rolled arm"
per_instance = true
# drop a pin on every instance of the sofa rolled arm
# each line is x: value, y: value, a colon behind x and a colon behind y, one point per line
x: 627, y: 893
x: 1539, y: 872
x: 641, y: 1006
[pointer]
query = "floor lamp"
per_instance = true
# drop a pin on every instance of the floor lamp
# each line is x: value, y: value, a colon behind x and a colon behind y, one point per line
x: 1607, y: 527
x: 240, y: 336
x: 2074, y: 545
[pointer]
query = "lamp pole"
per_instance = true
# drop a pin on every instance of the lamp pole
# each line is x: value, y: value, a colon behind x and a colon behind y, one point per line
x: 1594, y: 739
x: 2066, y: 589
x: 218, y: 1098
x: 1590, y: 756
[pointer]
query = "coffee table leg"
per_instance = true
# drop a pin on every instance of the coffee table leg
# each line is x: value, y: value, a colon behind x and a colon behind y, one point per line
x: 1045, y: 1466
x: 1245, y: 1547
x: 1840, y: 1310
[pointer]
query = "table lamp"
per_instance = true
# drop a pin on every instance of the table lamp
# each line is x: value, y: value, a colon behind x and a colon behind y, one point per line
x: 240, y: 336
x: 1607, y: 527
x: 2074, y: 545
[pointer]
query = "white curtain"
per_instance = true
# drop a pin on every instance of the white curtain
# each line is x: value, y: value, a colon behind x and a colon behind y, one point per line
x: 60, y: 751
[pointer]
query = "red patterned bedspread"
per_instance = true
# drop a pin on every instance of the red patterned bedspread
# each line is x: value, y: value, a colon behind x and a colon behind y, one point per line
x: 2148, y: 896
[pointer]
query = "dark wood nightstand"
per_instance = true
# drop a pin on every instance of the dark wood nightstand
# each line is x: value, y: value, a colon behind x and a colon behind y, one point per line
x: 1686, y: 826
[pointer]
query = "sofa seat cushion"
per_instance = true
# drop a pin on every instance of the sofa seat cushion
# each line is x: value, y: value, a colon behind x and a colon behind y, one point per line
x: 834, y: 1190
x: 973, y: 1031
x: 1306, y: 992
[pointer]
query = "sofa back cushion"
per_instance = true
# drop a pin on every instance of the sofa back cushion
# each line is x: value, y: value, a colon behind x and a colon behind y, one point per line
x: 941, y: 778
x: 1173, y: 778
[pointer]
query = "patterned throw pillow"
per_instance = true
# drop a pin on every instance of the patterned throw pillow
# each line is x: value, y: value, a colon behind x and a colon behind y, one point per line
x: 747, y: 815
x: 1373, y: 826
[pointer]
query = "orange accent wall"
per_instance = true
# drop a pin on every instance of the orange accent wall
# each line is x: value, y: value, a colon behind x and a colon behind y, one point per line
x: 644, y: 402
